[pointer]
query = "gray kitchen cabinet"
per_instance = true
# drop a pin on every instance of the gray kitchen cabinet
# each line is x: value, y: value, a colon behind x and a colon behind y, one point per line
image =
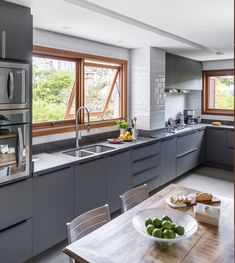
x: 118, y: 176
x: 53, y: 207
x: 187, y: 152
x: 90, y: 185
x: 15, y: 32
x: 230, y: 147
x: 216, y: 145
x: 16, y: 242
x: 15, y: 203
x: 146, y: 166
x: 183, y: 73
x: 168, y: 160
x: 201, y: 146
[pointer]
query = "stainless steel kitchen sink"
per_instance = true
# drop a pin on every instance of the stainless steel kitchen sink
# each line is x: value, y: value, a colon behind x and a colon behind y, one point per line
x: 98, y: 148
x: 78, y: 153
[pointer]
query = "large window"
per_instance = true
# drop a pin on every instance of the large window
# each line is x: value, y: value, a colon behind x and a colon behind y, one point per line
x: 63, y: 81
x: 218, y: 92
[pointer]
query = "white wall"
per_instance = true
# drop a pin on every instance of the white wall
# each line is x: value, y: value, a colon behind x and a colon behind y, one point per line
x: 175, y: 103
x: 218, y: 64
x: 64, y: 42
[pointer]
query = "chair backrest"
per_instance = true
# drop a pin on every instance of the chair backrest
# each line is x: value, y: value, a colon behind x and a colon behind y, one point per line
x: 133, y: 197
x: 87, y: 222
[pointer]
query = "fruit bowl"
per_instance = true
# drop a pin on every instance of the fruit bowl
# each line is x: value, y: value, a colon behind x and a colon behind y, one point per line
x: 188, y: 222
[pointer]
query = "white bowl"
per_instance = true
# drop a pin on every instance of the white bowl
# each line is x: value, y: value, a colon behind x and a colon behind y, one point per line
x: 188, y: 222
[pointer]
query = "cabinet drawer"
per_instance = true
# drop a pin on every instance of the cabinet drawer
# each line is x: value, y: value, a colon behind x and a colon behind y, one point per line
x: 230, y: 157
x: 187, y: 162
x: 15, y: 203
x: 154, y: 183
x: 146, y: 164
x: 145, y: 151
x: 186, y: 143
x: 230, y: 138
x: 16, y: 242
x: 145, y: 176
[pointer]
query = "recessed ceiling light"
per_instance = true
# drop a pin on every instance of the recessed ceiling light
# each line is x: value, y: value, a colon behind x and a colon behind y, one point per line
x: 219, y: 53
x: 66, y: 27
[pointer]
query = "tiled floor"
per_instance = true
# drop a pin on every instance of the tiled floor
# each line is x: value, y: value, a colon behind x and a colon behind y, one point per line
x: 217, y: 181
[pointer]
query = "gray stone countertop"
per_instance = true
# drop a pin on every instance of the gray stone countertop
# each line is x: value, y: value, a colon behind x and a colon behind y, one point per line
x: 48, y: 162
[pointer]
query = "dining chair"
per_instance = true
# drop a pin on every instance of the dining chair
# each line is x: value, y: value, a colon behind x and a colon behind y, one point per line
x: 133, y: 197
x: 86, y: 223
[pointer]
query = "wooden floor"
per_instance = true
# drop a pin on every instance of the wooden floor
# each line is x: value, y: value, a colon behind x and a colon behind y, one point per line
x: 203, y: 178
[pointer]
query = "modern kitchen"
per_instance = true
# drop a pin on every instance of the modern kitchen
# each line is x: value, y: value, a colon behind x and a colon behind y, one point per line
x: 116, y: 131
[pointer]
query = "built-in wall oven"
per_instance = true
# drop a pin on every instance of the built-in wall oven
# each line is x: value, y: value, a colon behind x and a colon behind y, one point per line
x: 15, y: 128
x: 14, y: 85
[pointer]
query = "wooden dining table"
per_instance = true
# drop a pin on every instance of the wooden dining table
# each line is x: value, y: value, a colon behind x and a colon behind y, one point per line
x: 119, y: 242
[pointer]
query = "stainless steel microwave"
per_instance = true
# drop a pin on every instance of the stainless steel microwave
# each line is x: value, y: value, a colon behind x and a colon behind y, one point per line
x: 14, y: 85
x: 14, y: 145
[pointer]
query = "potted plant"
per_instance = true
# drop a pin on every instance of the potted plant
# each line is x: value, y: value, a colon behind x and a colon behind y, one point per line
x: 122, y: 125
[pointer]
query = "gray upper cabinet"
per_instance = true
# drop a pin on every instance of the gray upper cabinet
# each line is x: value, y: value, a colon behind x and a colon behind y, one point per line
x: 216, y: 145
x: 183, y: 73
x: 15, y: 32
x: 90, y: 185
x: 53, y: 207
x: 168, y: 160
x: 118, y: 177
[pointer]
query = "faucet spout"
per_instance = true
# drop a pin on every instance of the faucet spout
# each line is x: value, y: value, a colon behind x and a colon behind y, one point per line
x: 78, y: 133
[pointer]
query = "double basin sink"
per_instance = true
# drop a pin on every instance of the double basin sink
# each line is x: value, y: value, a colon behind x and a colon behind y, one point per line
x: 88, y: 151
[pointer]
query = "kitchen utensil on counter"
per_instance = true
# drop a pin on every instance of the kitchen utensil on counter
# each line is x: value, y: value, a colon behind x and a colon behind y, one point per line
x: 189, y: 116
x: 171, y: 121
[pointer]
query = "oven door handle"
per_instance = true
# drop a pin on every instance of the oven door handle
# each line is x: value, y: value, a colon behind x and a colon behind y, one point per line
x: 10, y: 86
x: 19, y: 147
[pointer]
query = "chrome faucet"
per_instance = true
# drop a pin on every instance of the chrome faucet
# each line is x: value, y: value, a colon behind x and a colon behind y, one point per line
x: 78, y: 133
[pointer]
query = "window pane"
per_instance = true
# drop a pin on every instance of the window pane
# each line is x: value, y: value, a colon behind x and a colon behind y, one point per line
x: 102, y: 92
x: 221, y: 92
x: 53, y: 89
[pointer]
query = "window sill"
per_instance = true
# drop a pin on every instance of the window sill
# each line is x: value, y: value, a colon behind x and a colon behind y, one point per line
x: 37, y: 131
x: 218, y: 112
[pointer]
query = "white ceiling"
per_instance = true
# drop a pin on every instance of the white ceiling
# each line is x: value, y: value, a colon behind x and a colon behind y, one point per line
x: 199, y: 28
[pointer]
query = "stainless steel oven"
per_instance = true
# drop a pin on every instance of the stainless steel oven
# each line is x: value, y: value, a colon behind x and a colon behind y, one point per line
x: 14, y: 145
x: 14, y: 85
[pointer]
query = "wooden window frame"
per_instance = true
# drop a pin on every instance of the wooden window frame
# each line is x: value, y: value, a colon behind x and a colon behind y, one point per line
x: 205, y: 92
x: 48, y: 128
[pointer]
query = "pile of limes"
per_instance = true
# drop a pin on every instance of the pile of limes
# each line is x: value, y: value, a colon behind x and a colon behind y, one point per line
x: 163, y: 227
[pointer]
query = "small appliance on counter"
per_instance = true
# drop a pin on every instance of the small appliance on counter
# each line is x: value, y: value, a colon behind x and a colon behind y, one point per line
x: 190, y: 117
x: 15, y: 133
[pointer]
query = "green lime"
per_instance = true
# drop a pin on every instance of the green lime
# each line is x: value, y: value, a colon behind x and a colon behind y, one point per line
x: 166, y: 224
x: 157, y: 222
x: 167, y: 234
x: 166, y: 218
x: 150, y: 229
x: 173, y: 234
x: 173, y: 226
x: 148, y: 221
x: 179, y: 230
x: 157, y: 232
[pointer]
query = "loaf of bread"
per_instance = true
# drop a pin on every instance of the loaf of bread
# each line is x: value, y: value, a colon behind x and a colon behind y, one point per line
x: 200, y: 197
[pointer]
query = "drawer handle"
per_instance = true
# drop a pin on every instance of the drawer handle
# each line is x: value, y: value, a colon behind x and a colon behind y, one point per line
x: 13, y: 226
x: 145, y: 158
x: 190, y: 151
x: 185, y: 134
x: 113, y: 154
x: 145, y: 170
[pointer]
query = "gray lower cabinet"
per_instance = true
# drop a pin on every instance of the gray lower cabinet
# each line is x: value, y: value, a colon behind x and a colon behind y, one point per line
x: 146, y: 166
x: 16, y: 242
x: 53, y: 207
x: 118, y: 177
x: 201, y: 146
x: 216, y: 145
x: 15, y: 203
x: 186, y: 162
x: 230, y: 147
x: 90, y: 185
x: 168, y: 160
